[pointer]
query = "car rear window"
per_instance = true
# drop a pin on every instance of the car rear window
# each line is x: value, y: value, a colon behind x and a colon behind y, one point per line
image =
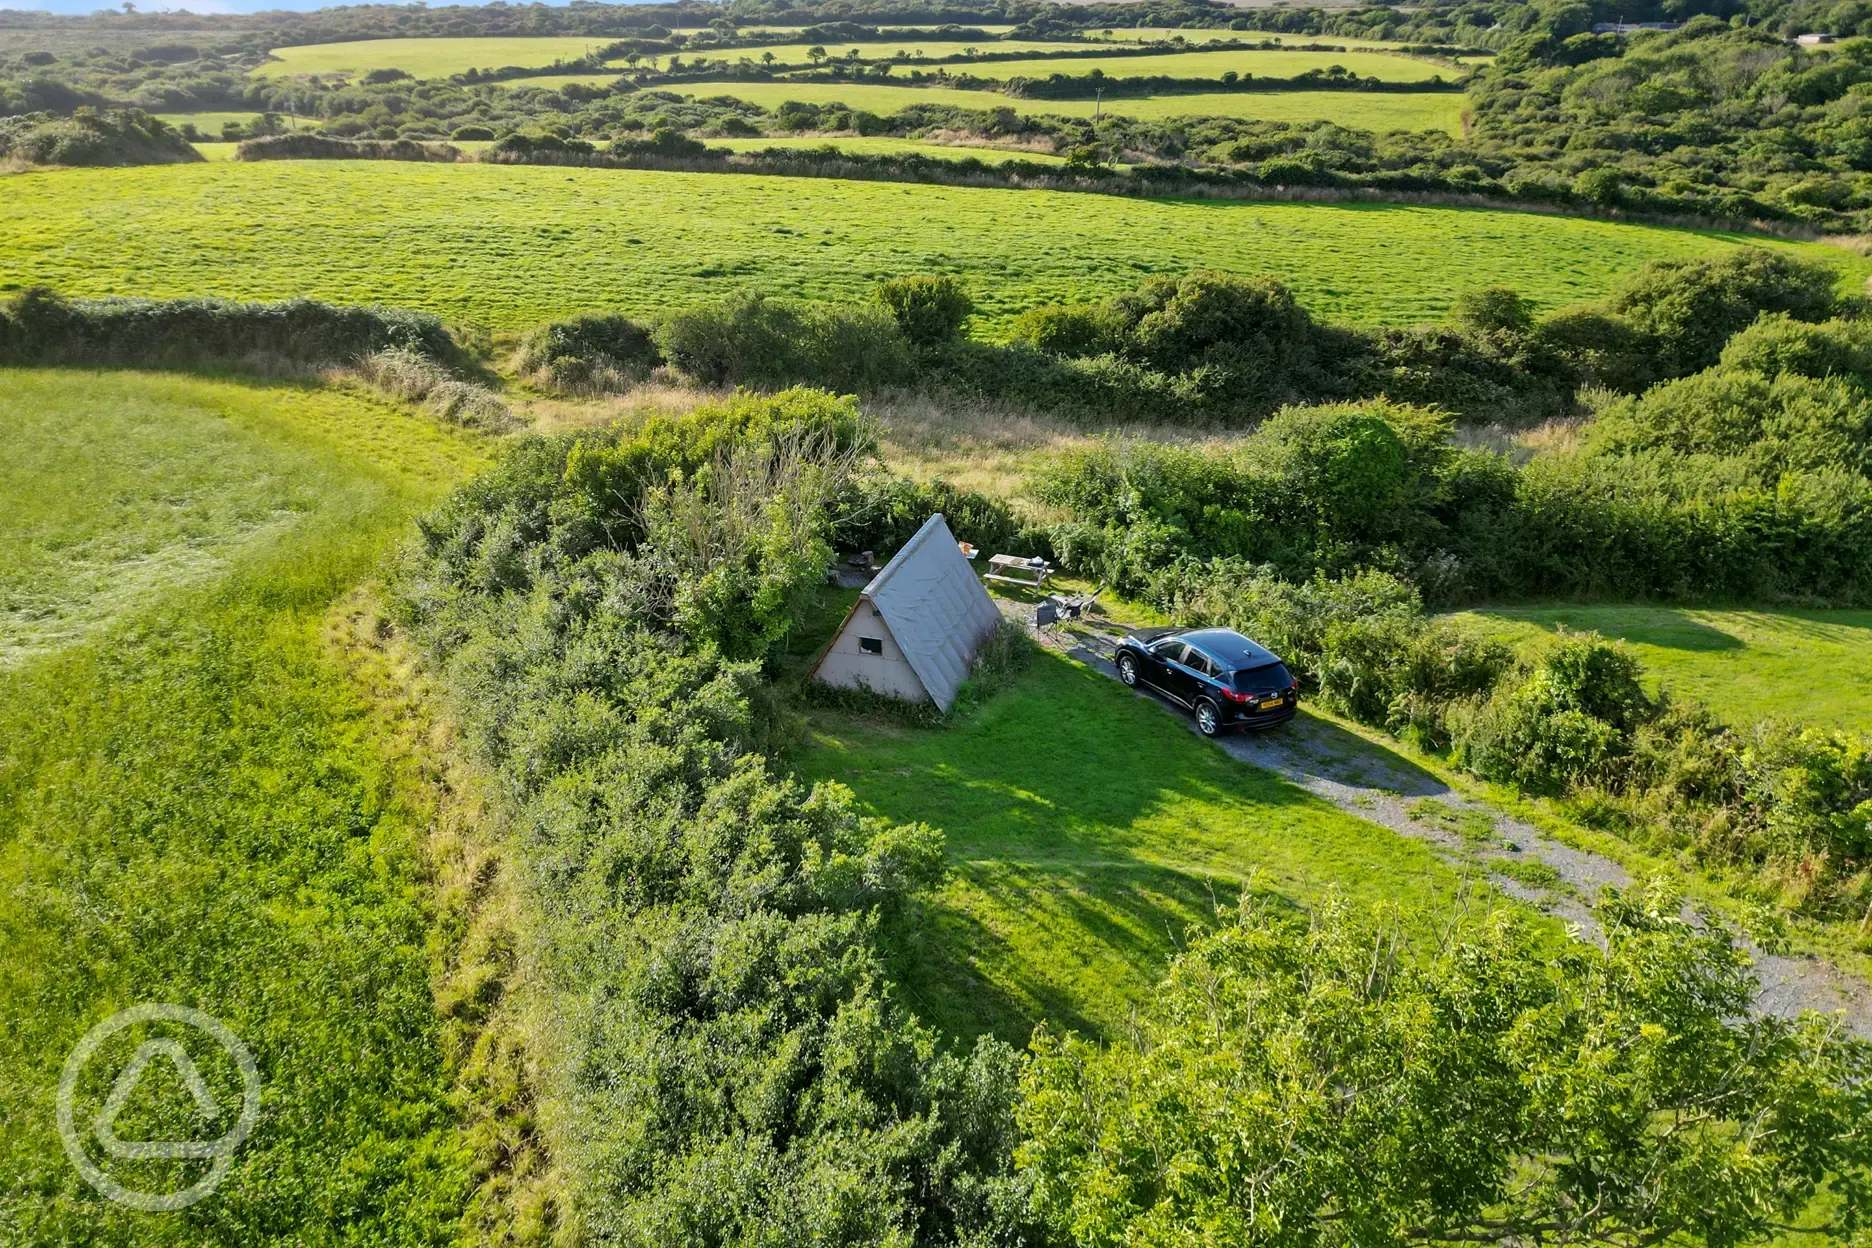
x: 1264, y: 679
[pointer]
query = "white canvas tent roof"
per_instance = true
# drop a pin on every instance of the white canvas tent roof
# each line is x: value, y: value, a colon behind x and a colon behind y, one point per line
x: 935, y: 607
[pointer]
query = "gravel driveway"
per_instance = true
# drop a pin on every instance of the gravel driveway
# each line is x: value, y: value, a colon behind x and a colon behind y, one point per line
x: 1386, y: 788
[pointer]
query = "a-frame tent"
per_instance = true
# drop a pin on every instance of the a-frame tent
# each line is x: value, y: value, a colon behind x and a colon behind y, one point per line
x: 915, y: 629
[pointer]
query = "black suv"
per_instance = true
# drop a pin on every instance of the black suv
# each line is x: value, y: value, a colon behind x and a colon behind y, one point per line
x: 1226, y: 680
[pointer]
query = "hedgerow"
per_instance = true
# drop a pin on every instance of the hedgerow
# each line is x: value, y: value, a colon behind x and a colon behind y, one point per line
x: 39, y: 327
x: 728, y: 1058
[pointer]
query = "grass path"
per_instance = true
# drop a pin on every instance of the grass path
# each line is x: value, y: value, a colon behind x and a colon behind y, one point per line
x: 512, y: 247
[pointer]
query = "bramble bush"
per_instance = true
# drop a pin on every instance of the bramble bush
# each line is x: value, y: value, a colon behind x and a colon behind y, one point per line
x: 88, y: 137
x: 929, y: 309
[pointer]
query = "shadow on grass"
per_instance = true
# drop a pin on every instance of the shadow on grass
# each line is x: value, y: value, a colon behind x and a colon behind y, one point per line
x: 1663, y: 627
x: 1086, y: 835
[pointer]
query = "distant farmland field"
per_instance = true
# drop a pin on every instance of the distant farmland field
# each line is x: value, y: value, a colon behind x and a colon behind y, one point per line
x: 513, y: 246
x: 438, y: 58
x: 426, y: 58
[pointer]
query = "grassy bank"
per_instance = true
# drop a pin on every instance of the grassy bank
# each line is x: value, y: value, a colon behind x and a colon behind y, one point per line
x: 1810, y: 666
x: 194, y: 807
x: 513, y: 247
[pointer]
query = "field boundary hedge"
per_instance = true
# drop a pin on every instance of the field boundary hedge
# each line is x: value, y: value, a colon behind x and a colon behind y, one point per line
x: 1160, y: 182
x: 1136, y: 182
x: 39, y: 327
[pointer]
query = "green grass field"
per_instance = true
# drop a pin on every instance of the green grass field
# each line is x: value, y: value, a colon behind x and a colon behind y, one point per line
x: 510, y: 247
x: 1087, y: 829
x: 440, y: 57
x: 1811, y: 666
x: 892, y: 147
x: 194, y: 807
x: 427, y: 58
x: 786, y: 54
x: 208, y: 123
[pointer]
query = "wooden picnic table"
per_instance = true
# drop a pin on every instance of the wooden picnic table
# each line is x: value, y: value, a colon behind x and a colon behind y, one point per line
x: 1033, y: 573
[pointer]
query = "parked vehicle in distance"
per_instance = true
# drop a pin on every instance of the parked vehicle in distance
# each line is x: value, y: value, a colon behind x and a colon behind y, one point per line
x: 1224, y: 679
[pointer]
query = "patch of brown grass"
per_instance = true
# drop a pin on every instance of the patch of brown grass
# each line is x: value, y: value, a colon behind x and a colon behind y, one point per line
x: 992, y: 447
x: 566, y: 414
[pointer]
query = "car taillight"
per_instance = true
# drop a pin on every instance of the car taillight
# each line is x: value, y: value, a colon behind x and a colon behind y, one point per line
x: 1232, y: 696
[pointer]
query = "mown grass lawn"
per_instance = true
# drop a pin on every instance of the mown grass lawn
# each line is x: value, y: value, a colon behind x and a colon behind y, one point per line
x: 510, y: 247
x: 1087, y: 830
x: 1811, y: 666
x: 194, y: 808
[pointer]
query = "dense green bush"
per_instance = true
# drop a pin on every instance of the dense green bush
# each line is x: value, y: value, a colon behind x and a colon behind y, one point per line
x: 598, y: 351
x: 726, y: 1057
x: 322, y: 147
x: 1242, y: 344
x: 1569, y: 719
x: 1785, y: 397
x: 929, y: 309
x: 1683, y: 311
x: 129, y: 137
x: 880, y: 512
x: 1492, y: 310
x: 1315, y: 488
x: 748, y: 339
x: 38, y: 327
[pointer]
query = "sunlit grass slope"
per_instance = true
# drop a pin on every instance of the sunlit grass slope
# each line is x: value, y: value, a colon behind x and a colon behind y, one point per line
x: 514, y: 246
x: 1811, y: 666
x: 427, y: 58
x: 1087, y: 829
x: 194, y: 809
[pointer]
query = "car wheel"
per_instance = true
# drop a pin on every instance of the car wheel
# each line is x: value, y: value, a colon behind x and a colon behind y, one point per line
x: 1208, y: 721
x: 1127, y: 669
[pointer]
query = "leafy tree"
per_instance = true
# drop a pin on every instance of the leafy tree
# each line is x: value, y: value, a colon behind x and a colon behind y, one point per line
x: 1330, y: 1082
